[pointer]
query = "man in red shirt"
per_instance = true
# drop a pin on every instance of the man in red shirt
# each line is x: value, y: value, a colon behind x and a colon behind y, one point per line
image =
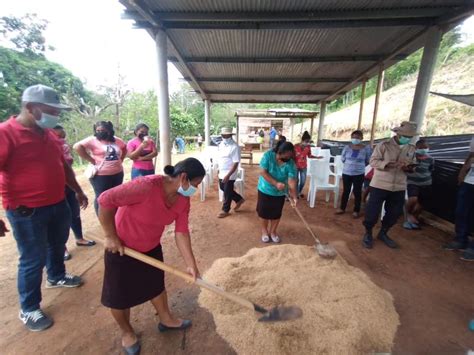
x: 33, y: 174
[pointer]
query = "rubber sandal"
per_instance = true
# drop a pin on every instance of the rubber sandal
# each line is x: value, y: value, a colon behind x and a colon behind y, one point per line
x: 276, y: 239
x: 184, y: 325
x: 133, y: 349
x: 414, y: 225
x: 89, y: 243
x: 407, y: 225
x: 265, y: 239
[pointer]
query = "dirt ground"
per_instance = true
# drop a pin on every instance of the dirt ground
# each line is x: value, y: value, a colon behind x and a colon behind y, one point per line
x: 433, y: 290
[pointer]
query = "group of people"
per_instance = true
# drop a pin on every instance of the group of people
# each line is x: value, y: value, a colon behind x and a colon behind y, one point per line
x: 42, y: 201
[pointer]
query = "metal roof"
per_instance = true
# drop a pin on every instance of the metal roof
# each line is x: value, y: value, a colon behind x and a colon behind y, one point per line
x: 276, y: 113
x: 289, y: 50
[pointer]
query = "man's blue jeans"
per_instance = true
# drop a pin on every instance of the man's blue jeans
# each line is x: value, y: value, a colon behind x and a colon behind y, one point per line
x: 301, y: 179
x: 40, y: 235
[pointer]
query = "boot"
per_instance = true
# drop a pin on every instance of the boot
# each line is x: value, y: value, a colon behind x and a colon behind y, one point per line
x: 383, y: 236
x: 367, y: 241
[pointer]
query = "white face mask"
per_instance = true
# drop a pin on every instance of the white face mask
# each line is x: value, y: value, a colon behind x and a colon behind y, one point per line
x: 47, y: 121
x: 227, y: 140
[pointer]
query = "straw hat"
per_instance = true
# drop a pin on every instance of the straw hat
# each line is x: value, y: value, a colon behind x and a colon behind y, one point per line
x: 407, y: 129
x: 226, y: 130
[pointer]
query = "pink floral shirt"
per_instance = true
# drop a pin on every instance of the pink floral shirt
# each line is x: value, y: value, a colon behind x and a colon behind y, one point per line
x: 142, y: 213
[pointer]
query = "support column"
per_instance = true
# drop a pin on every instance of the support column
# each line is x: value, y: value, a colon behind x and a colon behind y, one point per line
x: 237, y: 139
x: 425, y: 75
x: 361, y: 110
x: 376, y: 105
x: 322, y: 114
x: 163, y: 98
x: 207, y: 123
x: 292, y: 129
x: 311, y: 127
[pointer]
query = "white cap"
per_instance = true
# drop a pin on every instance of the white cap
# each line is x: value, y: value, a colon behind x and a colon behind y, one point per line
x: 42, y: 94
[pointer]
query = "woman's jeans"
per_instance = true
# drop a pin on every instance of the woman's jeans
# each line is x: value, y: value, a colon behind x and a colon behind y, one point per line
x: 349, y: 181
x: 301, y: 179
x: 40, y: 235
x: 76, y: 224
x: 141, y: 172
x: 102, y: 183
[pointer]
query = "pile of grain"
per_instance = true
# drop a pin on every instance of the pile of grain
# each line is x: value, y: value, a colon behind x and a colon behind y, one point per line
x: 343, y: 311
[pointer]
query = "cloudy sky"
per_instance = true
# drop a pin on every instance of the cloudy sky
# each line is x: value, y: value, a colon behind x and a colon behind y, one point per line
x: 94, y: 43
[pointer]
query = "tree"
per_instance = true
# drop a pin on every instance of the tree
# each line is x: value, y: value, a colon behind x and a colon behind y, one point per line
x: 25, y: 33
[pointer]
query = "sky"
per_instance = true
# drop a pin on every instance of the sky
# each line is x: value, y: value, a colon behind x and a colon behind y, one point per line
x: 93, y: 42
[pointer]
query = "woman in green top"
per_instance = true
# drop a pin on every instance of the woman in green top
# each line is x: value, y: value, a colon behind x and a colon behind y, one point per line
x: 278, y: 173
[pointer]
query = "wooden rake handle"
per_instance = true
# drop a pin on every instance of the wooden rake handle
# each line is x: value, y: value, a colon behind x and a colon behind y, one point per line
x: 304, y: 221
x: 200, y: 282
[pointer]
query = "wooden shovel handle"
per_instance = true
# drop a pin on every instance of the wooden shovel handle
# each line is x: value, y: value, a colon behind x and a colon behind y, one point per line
x: 200, y: 282
x: 304, y: 221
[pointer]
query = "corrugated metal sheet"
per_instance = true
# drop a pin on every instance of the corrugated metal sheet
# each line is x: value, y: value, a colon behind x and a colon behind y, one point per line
x: 294, y: 43
x: 290, y: 87
x: 288, y: 5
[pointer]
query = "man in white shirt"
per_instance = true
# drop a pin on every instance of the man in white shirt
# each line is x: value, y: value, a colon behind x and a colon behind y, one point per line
x: 228, y: 163
x: 465, y: 208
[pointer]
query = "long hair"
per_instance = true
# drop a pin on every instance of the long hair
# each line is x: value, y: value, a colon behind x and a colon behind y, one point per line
x: 284, y: 147
x: 191, y: 166
x: 109, y: 126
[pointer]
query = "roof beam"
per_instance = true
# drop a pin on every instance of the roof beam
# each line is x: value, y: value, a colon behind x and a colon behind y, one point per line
x: 257, y: 101
x: 325, y: 59
x: 270, y: 80
x: 269, y: 92
x: 296, y: 25
x: 284, y: 16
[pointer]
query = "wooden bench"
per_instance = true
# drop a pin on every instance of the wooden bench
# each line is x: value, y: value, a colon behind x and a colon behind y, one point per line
x: 247, y: 155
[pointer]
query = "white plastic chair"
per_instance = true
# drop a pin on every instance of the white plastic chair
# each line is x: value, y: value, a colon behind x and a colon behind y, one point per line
x: 239, y: 184
x: 325, y: 154
x: 319, y: 174
x: 315, y: 151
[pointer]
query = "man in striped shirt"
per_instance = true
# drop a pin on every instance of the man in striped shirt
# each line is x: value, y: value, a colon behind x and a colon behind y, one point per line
x: 419, y: 185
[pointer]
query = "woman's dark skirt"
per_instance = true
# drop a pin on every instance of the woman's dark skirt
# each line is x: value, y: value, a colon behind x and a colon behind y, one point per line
x: 129, y: 282
x: 269, y: 207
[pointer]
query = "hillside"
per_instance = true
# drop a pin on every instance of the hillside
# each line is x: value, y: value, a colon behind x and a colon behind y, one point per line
x: 443, y: 117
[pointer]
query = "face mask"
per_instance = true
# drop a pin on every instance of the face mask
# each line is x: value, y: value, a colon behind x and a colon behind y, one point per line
x: 285, y: 160
x: 142, y: 135
x: 227, y: 140
x: 355, y: 141
x: 404, y: 140
x: 189, y: 192
x: 47, y: 121
x: 102, y: 135
x: 422, y: 151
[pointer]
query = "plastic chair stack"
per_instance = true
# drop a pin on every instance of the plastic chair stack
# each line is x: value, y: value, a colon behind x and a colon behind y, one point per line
x: 238, y: 185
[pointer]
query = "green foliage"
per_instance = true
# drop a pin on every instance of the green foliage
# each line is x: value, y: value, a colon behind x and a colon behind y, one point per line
x: 20, y: 70
x: 25, y: 33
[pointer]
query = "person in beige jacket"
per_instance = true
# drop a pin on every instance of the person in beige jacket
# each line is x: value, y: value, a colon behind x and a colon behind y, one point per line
x: 391, y: 159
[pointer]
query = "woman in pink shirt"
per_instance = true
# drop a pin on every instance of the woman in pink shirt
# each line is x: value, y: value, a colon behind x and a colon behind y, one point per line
x: 135, y: 215
x: 142, y: 150
x: 107, y: 153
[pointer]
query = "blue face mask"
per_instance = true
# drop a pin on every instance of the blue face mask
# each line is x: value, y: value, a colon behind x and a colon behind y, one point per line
x: 422, y: 151
x: 404, y: 140
x: 191, y: 190
x: 355, y: 141
x: 47, y: 121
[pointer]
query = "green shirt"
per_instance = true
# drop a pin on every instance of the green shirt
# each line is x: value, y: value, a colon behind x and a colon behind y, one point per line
x: 280, y: 173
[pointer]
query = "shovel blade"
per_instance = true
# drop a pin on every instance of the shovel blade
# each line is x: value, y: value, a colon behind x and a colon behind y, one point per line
x: 281, y: 313
x: 326, y: 251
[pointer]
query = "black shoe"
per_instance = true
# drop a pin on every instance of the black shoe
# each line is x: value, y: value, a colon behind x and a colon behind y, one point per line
x: 468, y: 255
x: 164, y: 328
x: 386, y: 239
x: 455, y: 245
x: 132, y: 349
x: 67, y: 256
x: 35, y: 321
x: 368, y: 240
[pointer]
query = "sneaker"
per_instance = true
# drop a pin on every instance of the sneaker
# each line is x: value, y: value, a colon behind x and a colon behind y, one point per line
x: 239, y: 204
x: 383, y: 236
x: 455, y: 245
x: 368, y: 240
x: 265, y: 239
x: 67, y: 256
x: 468, y: 255
x: 339, y: 211
x: 35, y: 321
x: 223, y: 214
x: 67, y: 281
x: 275, y: 239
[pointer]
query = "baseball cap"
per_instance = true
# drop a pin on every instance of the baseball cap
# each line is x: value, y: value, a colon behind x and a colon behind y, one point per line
x: 43, y: 94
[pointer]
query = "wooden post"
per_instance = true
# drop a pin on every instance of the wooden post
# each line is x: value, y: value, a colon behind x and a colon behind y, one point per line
x: 361, y: 110
x: 322, y: 115
x: 376, y: 105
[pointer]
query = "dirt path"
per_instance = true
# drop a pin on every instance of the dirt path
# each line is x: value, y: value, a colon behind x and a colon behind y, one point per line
x: 432, y: 288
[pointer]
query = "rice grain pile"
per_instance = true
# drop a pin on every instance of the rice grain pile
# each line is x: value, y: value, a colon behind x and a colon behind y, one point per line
x: 344, y: 312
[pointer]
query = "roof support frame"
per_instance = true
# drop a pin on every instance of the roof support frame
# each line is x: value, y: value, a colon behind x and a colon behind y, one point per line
x: 269, y: 80
x: 268, y: 92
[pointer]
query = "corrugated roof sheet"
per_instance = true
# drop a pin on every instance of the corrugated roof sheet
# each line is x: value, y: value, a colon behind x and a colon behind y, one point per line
x: 352, y: 51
